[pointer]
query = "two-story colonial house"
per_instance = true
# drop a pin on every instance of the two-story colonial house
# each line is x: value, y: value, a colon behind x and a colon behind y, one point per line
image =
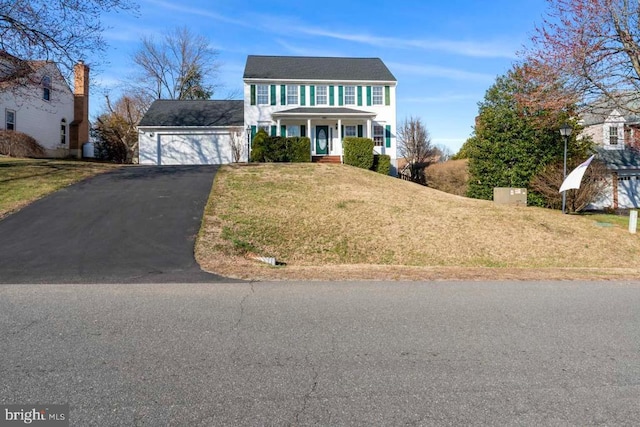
x: 325, y: 99
x: 35, y: 99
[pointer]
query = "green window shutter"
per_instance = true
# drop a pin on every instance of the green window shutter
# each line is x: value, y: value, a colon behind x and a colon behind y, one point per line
x: 360, y: 131
x: 253, y: 94
x: 254, y: 130
x: 331, y: 98
x: 303, y: 130
x: 340, y: 95
x: 368, y: 95
x: 283, y: 130
x: 283, y: 95
x: 360, y: 96
x: 273, y: 94
x: 274, y: 130
x: 387, y: 136
x: 341, y: 132
x: 387, y: 95
x: 312, y: 95
x: 302, y: 95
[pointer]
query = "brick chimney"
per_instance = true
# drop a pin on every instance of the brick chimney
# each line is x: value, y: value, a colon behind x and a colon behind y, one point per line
x: 79, y: 128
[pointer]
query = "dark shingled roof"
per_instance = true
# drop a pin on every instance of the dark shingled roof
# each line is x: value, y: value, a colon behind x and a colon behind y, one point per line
x: 619, y: 159
x: 316, y: 68
x: 172, y: 113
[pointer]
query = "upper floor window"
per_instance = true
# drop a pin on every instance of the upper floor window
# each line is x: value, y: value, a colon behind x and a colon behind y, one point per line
x: 378, y: 135
x: 10, y: 120
x: 292, y: 94
x: 263, y: 94
x: 349, y: 95
x: 63, y: 131
x: 321, y: 95
x: 46, y: 88
x: 377, y: 95
x: 613, y: 135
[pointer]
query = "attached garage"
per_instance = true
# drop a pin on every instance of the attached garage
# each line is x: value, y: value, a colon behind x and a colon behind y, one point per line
x: 191, y: 132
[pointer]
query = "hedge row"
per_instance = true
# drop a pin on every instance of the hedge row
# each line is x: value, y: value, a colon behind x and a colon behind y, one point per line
x: 279, y: 149
x: 358, y: 152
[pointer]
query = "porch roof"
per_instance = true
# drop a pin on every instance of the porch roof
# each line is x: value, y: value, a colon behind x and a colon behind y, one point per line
x: 332, y: 112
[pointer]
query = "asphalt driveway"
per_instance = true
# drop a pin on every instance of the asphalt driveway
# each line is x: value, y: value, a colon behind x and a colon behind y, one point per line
x: 132, y: 225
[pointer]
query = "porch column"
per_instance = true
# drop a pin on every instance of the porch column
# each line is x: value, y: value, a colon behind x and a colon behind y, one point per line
x: 310, y: 136
x: 279, y: 129
x: 340, y: 140
x: 368, y: 128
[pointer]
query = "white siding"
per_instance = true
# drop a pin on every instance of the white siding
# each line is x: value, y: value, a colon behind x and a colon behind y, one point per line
x: 39, y: 118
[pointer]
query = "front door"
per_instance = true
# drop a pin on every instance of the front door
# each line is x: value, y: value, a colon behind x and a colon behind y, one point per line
x: 322, y: 140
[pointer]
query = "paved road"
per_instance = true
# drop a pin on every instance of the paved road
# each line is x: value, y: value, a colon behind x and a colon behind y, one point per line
x: 562, y: 353
x: 136, y: 224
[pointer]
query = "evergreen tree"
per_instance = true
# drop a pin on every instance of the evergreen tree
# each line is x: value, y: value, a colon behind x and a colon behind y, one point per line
x: 513, y: 142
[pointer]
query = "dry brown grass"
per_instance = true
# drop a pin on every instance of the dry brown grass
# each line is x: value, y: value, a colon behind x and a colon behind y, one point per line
x: 338, y: 222
x: 451, y: 176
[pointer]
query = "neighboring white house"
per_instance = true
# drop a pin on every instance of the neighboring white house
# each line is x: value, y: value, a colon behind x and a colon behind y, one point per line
x: 191, y: 132
x: 325, y: 99
x: 616, y: 133
x: 36, y: 100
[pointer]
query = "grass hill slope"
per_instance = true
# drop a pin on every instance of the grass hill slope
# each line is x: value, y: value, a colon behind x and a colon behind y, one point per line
x: 338, y: 222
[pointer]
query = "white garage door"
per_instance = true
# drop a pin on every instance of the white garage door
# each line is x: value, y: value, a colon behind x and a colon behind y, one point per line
x: 628, y: 191
x: 194, y: 149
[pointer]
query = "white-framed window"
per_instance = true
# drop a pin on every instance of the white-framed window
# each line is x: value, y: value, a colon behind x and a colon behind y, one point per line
x: 613, y: 135
x: 350, y: 130
x: 10, y: 120
x: 293, y: 130
x: 262, y: 92
x: 349, y: 95
x: 46, y: 88
x: 378, y: 135
x: 292, y: 94
x: 377, y: 95
x: 63, y: 131
x: 321, y: 95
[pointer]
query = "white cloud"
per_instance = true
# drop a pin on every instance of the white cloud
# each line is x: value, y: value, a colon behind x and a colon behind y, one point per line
x: 306, y: 51
x: 199, y: 12
x: 438, y: 71
x: 465, y: 48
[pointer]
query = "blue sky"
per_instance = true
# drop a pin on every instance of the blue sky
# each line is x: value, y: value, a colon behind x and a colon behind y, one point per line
x: 445, y: 54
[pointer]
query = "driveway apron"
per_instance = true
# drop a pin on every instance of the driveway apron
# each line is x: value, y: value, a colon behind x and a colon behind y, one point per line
x: 132, y: 225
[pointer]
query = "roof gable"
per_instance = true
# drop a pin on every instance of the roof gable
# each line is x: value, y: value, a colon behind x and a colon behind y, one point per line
x: 316, y: 68
x: 197, y: 113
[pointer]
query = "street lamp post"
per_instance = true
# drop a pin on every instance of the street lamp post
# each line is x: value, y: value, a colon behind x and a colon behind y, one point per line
x: 248, y: 143
x: 565, y: 131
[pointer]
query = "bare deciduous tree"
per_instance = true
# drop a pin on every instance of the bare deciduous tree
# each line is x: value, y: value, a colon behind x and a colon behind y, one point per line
x: 182, y: 66
x: 58, y: 30
x: 238, y: 143
x: 116, y: 129
x: 594, y: 183
x: 414, y: 144
x: 593, y: 48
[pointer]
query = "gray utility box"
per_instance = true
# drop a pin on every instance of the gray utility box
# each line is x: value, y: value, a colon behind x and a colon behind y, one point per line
x: 510, y: 196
